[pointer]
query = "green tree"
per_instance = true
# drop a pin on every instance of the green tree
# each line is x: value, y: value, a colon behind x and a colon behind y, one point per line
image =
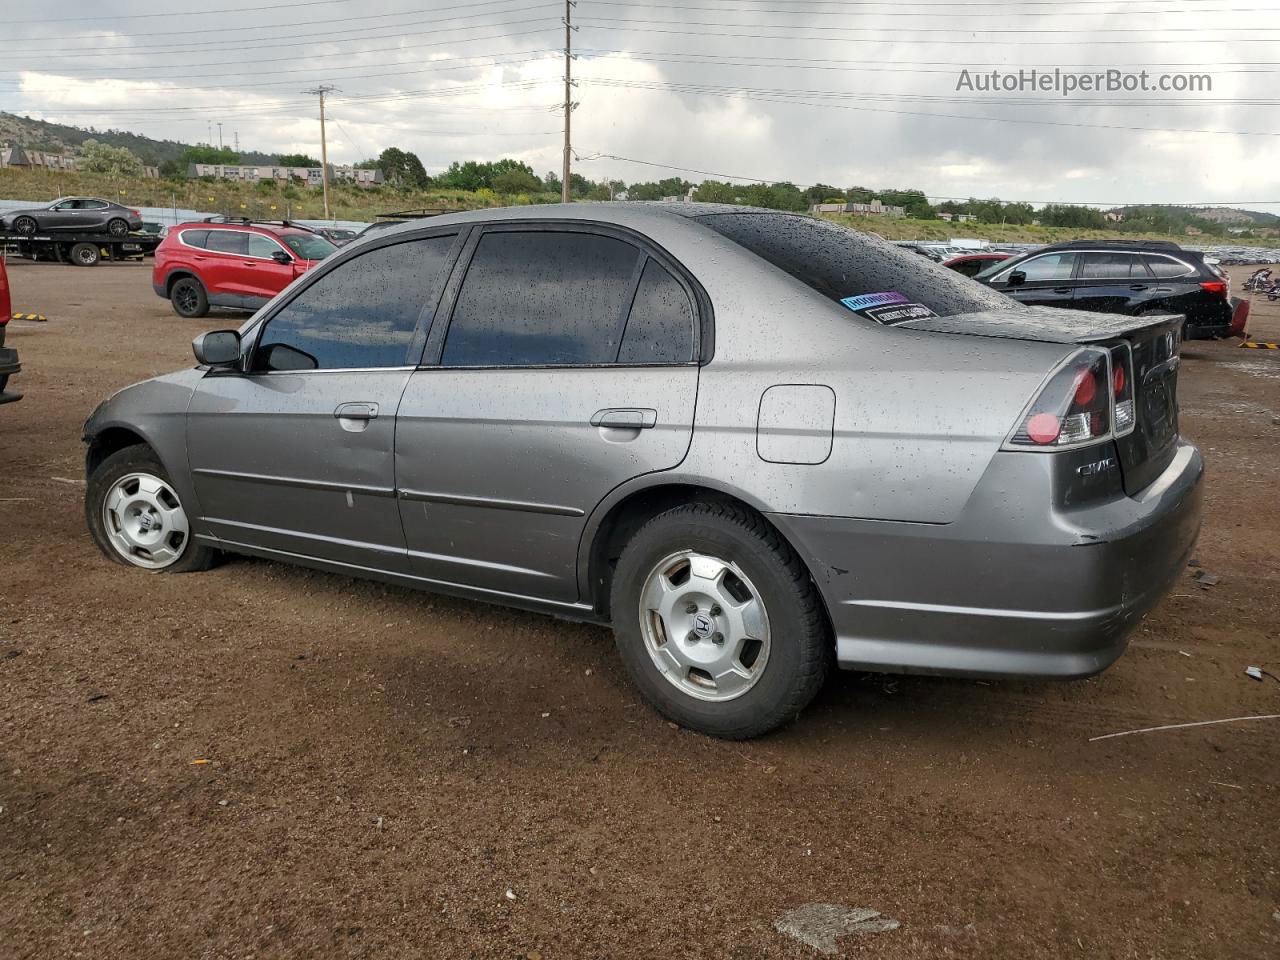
x: 224, y: 155
x: 516, y: 181
x: 715, y: 191
x: 98, y: 157
x: 670, y: 187
x: 402, y: 168
x: 552, y: 182
x: 298, y: 160
x: 822, y: 193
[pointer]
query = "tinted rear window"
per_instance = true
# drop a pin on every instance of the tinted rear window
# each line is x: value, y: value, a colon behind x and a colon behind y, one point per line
x: 839, y: 263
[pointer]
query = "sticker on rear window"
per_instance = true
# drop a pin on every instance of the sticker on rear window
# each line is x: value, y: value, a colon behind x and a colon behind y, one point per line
x: 887, y: 308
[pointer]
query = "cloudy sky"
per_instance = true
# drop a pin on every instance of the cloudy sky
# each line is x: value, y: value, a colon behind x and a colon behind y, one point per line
x: 843, y: 92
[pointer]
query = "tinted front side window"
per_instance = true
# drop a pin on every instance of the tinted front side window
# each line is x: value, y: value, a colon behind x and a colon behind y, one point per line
x: 542, y: 297
x: 228, y: 241
x: 363, y: 314
x: 1112, y: 266
x: 660, y: 328
x: 1051, y: 266
x: 260, y: 246
x: 839, y: 263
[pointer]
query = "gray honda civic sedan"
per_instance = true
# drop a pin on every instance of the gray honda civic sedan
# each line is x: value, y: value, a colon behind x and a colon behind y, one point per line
x: 756, y: 443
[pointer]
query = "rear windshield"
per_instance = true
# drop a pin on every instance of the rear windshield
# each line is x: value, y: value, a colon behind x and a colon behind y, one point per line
x: 841, y: 263
x: 309, y: 246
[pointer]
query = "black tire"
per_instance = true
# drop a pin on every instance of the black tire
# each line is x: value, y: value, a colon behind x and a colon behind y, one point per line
x: 117, y: 227
x: 85, y: 254
x: 194, y: 556
x: 801, y: 647
x: 25, y: 226
x: 188, y: 298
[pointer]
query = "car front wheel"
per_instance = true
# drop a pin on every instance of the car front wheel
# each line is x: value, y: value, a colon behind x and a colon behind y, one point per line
x: 718, y: 622
x: 25, y: 226
x: 136, y: 518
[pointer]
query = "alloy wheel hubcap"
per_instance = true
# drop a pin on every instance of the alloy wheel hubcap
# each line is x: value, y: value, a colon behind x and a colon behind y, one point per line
x: 144, y: 521
x: 704, y: 625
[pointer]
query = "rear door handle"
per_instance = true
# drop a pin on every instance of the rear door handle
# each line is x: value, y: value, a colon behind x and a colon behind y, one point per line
x: 628, y: 418
x: 1061, y: 289
x: 356, y: 411
x: 1138, y: 286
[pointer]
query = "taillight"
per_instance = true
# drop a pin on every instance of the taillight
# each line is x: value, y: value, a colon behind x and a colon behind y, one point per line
x: 1122, y: 388
x: 1074, y: 408
x: 135, y: 213
x: 1216, y: 287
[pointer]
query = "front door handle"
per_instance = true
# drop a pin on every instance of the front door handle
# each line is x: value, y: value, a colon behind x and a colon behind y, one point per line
x: 625, y: 418
x: 356, y: 411
x: 1061, y: 289
x: 1138, y: 286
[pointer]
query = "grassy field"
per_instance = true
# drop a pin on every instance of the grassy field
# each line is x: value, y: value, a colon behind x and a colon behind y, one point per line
x: 271, y: 201
x: 261, y: 200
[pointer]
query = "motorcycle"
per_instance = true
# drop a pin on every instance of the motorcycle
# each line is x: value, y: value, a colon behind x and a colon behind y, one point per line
x: 1259, y: 281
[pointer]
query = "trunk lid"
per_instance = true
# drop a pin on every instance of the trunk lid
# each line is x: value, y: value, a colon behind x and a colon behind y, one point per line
x: 1154, y: 342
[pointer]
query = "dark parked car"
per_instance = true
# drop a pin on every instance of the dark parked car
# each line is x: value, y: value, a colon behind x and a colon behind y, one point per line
x: 8, y: 357
x: 972, y: 264
x: 78, y: 214
x: 1137, y: 278
x: 757, y: 443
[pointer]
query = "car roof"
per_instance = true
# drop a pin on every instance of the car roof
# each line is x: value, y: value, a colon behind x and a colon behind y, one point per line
x: 275, y: 229
x: 627, y: 213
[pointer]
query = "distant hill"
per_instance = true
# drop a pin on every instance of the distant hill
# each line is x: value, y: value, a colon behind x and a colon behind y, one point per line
x: 1205, y: 218
x: 57, y: 137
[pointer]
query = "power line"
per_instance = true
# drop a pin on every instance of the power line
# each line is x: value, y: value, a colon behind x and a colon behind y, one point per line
x: 970, y: 117
x: 151, y: 69
x: 878, y: 66
x: 694, y: 87
x: 946, y: 30
x: 270, y: 42
x: 270, y: 26
x: 898, y: 13
x: 949, y: 42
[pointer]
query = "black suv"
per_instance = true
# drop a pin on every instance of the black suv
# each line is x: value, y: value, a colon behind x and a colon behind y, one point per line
x: 1120, y: 276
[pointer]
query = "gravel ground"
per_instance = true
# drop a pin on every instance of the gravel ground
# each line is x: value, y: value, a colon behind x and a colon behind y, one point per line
x: 392, y: 774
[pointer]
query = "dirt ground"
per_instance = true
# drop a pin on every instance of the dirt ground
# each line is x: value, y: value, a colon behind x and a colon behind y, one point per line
x: 385, y: 765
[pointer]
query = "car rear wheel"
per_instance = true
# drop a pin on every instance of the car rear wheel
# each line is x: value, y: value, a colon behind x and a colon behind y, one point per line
x: 117, y: 227
x: 85, y: 254
x: 188, y: 298
x: 718, y: 622
x: 136, y: 518
x: 25, y: 226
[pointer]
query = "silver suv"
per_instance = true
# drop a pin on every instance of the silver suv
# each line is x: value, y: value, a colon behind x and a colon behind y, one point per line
x: 755, y: 443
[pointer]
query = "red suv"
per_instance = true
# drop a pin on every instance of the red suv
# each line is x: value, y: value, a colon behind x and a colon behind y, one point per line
x: 8, y: 357
x: 232, y: 263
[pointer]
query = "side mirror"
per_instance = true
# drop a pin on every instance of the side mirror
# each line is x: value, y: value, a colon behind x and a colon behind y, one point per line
x: 217, y: 348
x: 1016, y: 279
x: 280, y: 256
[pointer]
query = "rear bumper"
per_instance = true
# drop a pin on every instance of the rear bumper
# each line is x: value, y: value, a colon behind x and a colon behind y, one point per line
x: 1211, y: 321
x: 1014, y: 586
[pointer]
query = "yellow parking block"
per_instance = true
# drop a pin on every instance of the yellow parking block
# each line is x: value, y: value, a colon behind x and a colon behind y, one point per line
x: 1253, y: 345
x: 37, y: 317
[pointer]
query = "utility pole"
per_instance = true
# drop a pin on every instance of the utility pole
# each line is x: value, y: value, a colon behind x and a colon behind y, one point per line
x: 320, y: 91
x: 568, y: 96
x: 235, y: 135
x: 219, y: 134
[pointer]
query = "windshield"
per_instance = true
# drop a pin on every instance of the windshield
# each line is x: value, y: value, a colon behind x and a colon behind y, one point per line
x: 841, y: 263
x: 309, y: 246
